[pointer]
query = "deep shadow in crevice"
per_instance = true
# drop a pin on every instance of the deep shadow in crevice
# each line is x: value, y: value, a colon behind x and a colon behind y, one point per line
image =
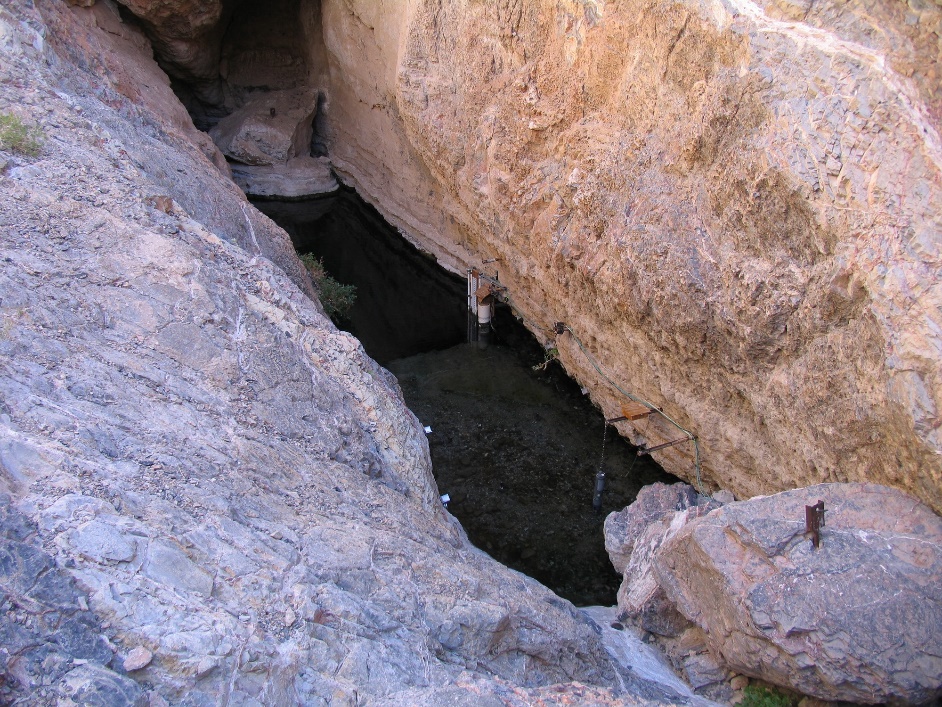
x: 405, y: 304
x: 517, y: 449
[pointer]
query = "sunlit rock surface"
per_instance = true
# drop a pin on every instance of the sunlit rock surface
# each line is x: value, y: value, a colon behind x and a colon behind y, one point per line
x: 858, y: 618
x: 734, y: 205
x: 221, y: 488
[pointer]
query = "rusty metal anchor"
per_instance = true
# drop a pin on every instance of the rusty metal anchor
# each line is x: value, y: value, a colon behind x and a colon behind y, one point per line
x: 814, y: 521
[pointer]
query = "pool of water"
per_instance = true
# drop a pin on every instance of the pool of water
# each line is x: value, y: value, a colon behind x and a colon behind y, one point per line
x: 517, y: 449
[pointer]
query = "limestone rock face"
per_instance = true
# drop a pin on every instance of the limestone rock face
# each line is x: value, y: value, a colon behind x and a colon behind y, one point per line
x: 270, y: 129
x: 187, y: 35
x: 734, y: 205
x: 221, y: 479
x: 858, y: 619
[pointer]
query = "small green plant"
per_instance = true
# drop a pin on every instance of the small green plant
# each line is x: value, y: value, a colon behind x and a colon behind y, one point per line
x: 16, y: 136
x: 336, y: 298
x: 760, y: 696
x: 551, y: 355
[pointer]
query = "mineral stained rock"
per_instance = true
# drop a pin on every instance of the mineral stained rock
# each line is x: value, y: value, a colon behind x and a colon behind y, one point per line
x: 624, y: 527
x: 857, y: 619
x: 53, y: 647
x: 633, y: 537
x: 199, y: 465
x: 640, y: 596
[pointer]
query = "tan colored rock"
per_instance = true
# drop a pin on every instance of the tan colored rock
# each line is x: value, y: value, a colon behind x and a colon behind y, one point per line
x: 186, y: 33
x: 300, y: 177
x: 623, y: 528
x: 138, y: 659
x: 270, y: 129
x: 735, y: 207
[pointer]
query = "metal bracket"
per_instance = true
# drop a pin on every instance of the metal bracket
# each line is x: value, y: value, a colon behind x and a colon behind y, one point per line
x: 642, y: 452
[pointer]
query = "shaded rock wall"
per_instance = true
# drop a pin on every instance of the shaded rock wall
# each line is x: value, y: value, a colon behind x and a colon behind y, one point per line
x: 735, y: 205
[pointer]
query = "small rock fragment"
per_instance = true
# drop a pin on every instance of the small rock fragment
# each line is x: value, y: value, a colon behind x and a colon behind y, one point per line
x: 139, y: 658
x: 205, y: 666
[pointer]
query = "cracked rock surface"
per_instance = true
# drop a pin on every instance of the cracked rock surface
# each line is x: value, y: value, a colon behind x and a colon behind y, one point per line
x: 193, y: 452
x: 857, y: 619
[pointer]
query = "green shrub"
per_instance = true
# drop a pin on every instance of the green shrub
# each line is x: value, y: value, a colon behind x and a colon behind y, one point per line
x: 551, y: 355
x: 16, y: 136
x: 336, y: 298
x: 760, y: 696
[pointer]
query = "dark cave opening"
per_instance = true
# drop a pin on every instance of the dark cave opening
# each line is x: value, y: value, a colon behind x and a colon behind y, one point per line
x: 516, y: 449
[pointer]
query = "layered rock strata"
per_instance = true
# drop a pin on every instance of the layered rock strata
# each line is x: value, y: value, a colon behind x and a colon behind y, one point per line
x: 734, y: 205
x: 858, y: 618
x: 220, y: 491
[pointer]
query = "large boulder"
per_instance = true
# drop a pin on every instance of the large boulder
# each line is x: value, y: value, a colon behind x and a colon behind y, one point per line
x: 633, y: 536
x: 640, y: 597
x: 272, y: 128
x: 859, y: 618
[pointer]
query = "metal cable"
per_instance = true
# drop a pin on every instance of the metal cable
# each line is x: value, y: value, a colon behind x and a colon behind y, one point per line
x: 651, y: 406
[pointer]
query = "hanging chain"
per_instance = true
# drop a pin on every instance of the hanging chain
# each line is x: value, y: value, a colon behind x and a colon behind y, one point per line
x: 600, y: 476
x: 602, y: 460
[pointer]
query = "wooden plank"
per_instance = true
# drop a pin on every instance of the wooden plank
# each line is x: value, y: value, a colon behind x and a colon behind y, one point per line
x: 483, y: 291
x: 635, y: 411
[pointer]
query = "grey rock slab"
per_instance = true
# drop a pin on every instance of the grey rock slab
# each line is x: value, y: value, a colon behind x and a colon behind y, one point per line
x: 93, y: 686
x: 857, y: 619
x: 44, y: 626
x: 635, y: 656
x: 640, y: 597
x: 622, y: 528
x: 299, y: 178
x: 167, y: 564
x: 101, y: 541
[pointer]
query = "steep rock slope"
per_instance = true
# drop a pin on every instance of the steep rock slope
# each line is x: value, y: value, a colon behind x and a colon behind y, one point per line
x: 237, y: 491
x: 734, y: 204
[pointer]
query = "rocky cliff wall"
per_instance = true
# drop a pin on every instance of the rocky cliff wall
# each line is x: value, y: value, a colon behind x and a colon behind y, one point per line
x: 734, y: 204
x: 208, y: 494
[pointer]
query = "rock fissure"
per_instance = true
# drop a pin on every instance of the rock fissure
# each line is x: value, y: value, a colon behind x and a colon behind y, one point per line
x: 740, y: 202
